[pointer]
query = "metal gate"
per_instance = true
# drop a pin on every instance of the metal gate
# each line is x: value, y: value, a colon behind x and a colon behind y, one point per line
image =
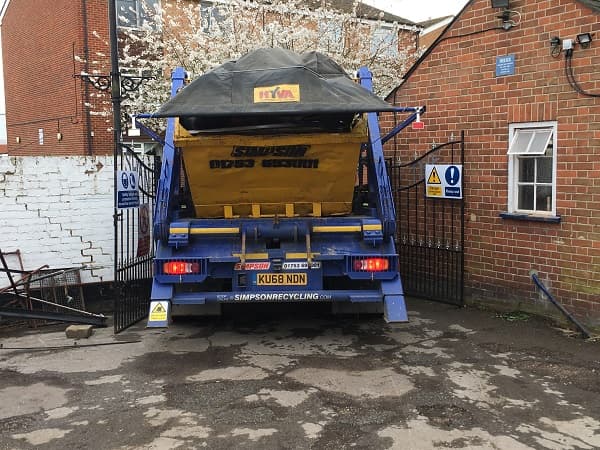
x: 134, y: 244
x: 430, y: 231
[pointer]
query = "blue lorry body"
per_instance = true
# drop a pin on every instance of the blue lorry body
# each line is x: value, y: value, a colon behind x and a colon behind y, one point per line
x: 316, y: 259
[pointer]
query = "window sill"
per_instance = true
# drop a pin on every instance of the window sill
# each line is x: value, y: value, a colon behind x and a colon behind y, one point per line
x: 530, y: 217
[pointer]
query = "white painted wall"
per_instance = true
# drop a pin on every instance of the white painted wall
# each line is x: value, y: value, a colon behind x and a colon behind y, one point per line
x: 58, y: 211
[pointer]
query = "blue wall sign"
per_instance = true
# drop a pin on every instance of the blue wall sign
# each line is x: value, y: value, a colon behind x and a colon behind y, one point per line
x: 128, y: 194
x: 505, y: 65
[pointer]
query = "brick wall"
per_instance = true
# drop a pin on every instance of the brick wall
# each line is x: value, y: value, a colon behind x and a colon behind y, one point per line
x: 98, y: 104
x: 43, y: 48
x: 58, y: 211
x: 457, y: 83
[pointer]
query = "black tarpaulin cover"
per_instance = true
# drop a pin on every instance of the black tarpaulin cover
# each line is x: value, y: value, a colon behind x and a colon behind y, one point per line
x: 273, y: 81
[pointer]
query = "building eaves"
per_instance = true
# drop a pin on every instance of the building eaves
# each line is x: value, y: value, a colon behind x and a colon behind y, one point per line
x: 363, y: 10
x: 437, y: 28
x: 431, y: 22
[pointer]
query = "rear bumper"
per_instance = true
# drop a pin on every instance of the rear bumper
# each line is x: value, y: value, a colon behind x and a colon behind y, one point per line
x: 390, y: 294
x: 200, y: 298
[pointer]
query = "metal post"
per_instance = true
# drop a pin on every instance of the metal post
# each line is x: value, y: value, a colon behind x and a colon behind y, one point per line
x: 115, y: 78
x: 462, y: 221
x: 116, y: 106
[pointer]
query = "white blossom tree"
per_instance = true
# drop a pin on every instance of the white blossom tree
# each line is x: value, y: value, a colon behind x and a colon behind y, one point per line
x: 200, y: 36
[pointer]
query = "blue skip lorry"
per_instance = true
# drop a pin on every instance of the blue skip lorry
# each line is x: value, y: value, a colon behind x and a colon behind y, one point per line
x: 274, y: 188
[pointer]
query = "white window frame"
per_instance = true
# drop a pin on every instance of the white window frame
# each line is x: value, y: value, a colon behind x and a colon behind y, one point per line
x: 211, y: 16
x: 379, y: 37
x: 513, y: 166
x: 331, y: 33
x: 139, y: 16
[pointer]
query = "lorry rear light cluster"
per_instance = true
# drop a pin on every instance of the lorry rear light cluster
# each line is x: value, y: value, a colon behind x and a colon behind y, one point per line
x: 180, y: 267
x: 371, y: 265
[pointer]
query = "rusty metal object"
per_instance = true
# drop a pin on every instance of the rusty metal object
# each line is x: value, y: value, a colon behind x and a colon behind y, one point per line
x: 59, y: 295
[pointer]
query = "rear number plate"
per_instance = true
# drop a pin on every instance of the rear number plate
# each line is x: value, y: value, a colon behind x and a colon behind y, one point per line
x: 281, y: 279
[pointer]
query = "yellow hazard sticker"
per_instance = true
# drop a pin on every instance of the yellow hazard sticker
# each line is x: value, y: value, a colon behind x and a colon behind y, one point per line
x: 158, y: 313
x: 434, y: 178
x: 277, y: 94
x: 434, y: 191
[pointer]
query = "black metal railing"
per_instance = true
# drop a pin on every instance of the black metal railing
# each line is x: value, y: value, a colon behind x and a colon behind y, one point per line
x: 134, y: 243
x: 430, y: 231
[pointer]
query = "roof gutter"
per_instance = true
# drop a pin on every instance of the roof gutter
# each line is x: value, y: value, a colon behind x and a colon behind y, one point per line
x: 3, y: 9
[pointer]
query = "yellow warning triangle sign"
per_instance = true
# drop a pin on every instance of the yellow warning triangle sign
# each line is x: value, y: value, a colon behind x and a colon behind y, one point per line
x: 159, y: 314
x: 434, y: 178
x: 158, y: 309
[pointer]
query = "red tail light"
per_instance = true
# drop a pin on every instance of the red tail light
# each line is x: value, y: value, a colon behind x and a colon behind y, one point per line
x: 180, y: 268
x: 371, y: 265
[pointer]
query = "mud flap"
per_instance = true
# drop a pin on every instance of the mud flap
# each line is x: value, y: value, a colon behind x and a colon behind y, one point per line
x: 394, y: 309
x: 394, y: 306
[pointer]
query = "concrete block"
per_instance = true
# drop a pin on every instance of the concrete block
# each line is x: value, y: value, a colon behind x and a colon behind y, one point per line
x: 81, y: 259
x: 79, y: 193
x: 11, y: 206
x: 73, y: 241
x: 104, y: 273
x: 7, y: 165
x: 56, y: 233
x: 15, y: 215
x: 79, y: 331
x: 35, y: 229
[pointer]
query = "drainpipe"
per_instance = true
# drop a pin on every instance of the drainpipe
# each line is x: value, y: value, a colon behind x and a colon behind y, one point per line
x: 584, y: 332
x: 86, y: 87
x: 417, y: 40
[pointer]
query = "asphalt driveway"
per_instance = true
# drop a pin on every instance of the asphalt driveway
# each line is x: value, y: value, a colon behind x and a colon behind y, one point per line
x: 451, y: 378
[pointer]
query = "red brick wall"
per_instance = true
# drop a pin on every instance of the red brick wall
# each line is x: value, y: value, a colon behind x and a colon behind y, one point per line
x: 457, y: 83
x: 99, y: 62
x: 409, y: 41
x: 39, y: 44
x: 428, y: 39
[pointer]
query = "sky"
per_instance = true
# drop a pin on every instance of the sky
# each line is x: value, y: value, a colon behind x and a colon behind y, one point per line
x: 419, y: 10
